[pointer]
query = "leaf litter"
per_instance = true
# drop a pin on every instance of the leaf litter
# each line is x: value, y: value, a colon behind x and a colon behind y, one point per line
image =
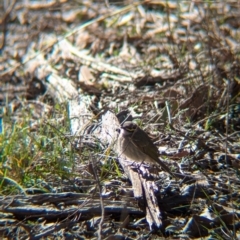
x: 171, y: 66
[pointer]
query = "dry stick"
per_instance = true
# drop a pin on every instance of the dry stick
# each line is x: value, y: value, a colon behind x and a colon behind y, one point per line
x: 99, y: 19
x: 101, y: 202
x: 226, y: 142
x: 95, y: 63
x: 99, y: 187
x: 52, y: 229
x: 168, y: 112
x: 227, y: 120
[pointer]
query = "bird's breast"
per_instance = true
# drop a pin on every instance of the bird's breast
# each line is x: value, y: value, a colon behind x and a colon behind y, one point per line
x: 131, y: 151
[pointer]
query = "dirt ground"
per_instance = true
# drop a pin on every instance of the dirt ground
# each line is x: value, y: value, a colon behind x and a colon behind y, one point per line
x: 172, y: 67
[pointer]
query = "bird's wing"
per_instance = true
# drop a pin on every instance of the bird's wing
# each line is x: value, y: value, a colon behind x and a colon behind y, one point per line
x: 145, y: 144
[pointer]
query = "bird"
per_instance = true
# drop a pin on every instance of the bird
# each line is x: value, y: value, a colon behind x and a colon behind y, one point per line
x: 136, y: 145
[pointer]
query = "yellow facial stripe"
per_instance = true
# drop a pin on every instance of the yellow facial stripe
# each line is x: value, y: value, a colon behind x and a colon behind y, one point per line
x: 131, y: 129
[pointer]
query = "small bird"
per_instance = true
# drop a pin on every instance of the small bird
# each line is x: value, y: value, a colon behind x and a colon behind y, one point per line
x: 136, y: 145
